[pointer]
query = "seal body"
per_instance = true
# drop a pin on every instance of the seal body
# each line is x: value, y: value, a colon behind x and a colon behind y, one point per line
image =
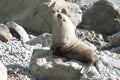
x: 79, y: 51
x: 66, y: 44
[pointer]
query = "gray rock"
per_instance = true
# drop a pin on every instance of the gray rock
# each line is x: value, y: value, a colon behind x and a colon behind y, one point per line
x: 3, y: 71
x: 110, y: 59
x: 116, y: 50
x: 44, y: 67
x: 109, y: 65
x: 15, y: 52
x: 5, y: 34
x: 18, y: 31
x: 91, y: 36
x: 44, y: 39
x: 16, y: 55
x: 103, y: 16
x: 35, y: 15
x: 114, y: 39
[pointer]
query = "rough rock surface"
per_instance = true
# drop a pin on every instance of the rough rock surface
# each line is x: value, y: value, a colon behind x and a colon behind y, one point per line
x: 45, y: 68
x: 3, y: 71
x: 17, y: 55
x: 43, y: 64
x: 43, y: 40
x: 109, y: 65
x: 103, y: 16
x: 92, y: 39
x: 35, y: 15
x: 18, y: 31
x: 114, y: 39
x: 116, y: 50
x: 5, y: 34
x: 32, y: 60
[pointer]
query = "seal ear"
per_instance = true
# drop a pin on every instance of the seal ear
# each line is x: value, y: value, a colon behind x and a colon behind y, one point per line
x: 54, y: 11
x: 53, y: 5
x: 85, y: 69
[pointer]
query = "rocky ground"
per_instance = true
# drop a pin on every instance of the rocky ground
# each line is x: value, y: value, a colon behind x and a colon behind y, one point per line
x: 16, y: 55
x: 27, y: 56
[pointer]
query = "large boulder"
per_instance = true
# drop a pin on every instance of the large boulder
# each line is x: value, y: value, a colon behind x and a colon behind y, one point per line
x: 18, y: 31
x: 116, y: 50
x: 44, y: 67
x: 103, y: 16
x: 35, y: 15
x: 114, y: 39
x: 3, y: 71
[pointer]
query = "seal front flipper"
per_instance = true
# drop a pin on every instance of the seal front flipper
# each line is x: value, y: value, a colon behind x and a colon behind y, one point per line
x: 96, y: 66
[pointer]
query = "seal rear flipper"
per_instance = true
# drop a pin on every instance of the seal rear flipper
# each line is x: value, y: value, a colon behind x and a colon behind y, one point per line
x: 85, y: 69
x: 96, y: 66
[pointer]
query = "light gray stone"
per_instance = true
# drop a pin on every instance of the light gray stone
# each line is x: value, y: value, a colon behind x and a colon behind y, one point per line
x: 116, y: 50
x: 44, y: 39
x: 18, y: 31
x: 114, y: 39
x: 108, y: 61
x: 3, y: 71
x: 5, y: 34
x: 91, y: 36
x: 44, y: 67
x: 103, y: 16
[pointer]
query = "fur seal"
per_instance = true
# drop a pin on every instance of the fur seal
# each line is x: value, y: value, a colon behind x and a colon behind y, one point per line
x: 66, y: 44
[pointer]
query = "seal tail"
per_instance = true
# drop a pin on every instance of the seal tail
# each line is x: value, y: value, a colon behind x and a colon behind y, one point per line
x: 96, y: 66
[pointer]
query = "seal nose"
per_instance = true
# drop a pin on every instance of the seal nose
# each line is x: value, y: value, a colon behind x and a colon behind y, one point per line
x: 59, y: 16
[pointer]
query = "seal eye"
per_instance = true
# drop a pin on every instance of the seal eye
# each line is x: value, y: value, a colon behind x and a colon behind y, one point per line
x: 64, y: 20
x: 59, y: 16
x: 64, y: 11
